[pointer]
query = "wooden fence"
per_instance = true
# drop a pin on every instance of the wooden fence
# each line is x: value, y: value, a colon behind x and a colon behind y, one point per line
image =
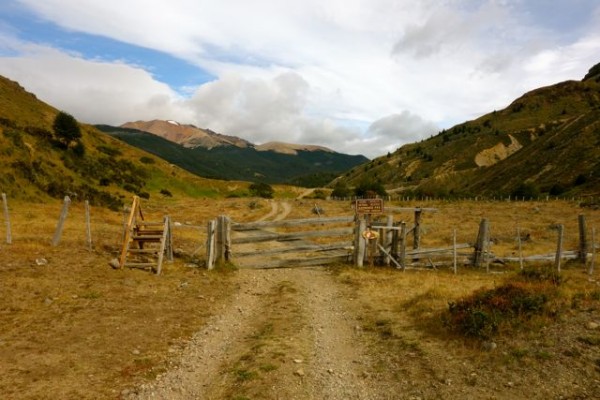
x: 395, y: 243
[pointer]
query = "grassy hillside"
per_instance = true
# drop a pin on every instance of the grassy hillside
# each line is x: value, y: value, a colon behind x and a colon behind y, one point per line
x: 102, y: 169
x: 545, y: 142
x: 308, y: 168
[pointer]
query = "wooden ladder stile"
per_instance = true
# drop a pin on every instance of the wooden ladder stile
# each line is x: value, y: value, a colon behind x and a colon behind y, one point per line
x: 138, y: 233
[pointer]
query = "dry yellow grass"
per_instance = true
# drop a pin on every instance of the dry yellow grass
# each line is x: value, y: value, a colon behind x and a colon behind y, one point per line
x: 75, y: 328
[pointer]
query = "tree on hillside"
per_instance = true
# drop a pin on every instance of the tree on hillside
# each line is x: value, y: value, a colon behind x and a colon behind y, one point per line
x: 261, y: 189
x: 66, y: 129
x: 369, y: 188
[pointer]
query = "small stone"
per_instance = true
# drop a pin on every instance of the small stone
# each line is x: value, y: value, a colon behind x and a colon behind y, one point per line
x: 510, y: 384
x: 298, y: 361
x: 489, y: 346
x: 114, y: 263
x: 299, y: 372
x: 135, y: 352
x: 592, y: 325
x: 448, y: 382
x: 330, y: 371
x: 41, y: 261
x: 48, y: 301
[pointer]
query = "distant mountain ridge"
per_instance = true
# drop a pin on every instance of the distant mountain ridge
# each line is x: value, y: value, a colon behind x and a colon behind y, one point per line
x: 546, y: 142
x: 191, y: 136
x: 188, y: 136
x: 212, y: 155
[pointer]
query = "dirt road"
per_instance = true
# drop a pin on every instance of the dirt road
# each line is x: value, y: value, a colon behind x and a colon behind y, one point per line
x: 285, y: 335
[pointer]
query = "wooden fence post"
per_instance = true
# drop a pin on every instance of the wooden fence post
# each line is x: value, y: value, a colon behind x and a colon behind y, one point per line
x: 520, y: 248
x: 61, y: 221
x: 403, y: 245
x: 88, y: 226
x: 7, y: 219
x: 210, y: 244
x: 417, y: 230
x: 559, y: 246
x: 454, y: 250
x: 359, y: 242
x: 591, y: 270
x: 583, y: 247
x: 223, y: 242
x: 386, y: 238
x: 481, y: 244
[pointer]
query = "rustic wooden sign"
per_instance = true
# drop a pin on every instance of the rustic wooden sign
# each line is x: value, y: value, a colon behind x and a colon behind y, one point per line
x: 369, y: 206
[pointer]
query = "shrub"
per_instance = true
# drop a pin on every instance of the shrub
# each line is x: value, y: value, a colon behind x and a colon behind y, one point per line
x: 261, y: 189
x: 484, y: 313
x: 146, y: 160
x: 526, y: 190
x: 166, y: 193
x: 66, y: 128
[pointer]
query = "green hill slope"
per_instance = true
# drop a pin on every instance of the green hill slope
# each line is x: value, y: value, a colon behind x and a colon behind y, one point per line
x: 104, y: 170
x: 308, y: 168
x: 545, y: 142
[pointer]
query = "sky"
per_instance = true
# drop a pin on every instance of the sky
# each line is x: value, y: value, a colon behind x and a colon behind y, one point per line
x: 357, y: 76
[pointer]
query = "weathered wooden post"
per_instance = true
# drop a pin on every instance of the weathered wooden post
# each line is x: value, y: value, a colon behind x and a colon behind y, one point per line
x: 520, y: 248
x: 559, y: 246
x: 61, y: 221
x: 591, y: 270
x: 386, y: 239
x: 88, y: 226
x: 210, y: 244
x: 223, y: 239
x: 360, y: 242
x: 417, y: 229
x: 583, y: 247
x: 402, y: 255
x: 6, y: 219
x: 481, y: 244
x: 169, y: 244
x: 454, y: 250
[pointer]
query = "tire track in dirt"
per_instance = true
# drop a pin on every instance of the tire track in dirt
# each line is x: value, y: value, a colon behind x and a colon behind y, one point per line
x: 315, y: 343
x: 201, y: 363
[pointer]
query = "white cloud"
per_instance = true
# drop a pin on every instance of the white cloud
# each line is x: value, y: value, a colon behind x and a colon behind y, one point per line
x: 341, y: 73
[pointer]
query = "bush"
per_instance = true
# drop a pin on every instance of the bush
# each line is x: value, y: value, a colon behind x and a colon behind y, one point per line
x: 146, y: 160
x: 166, y: 193
x: 368, y: 188
x: 261, y: 189
x: 340, y: 190
x: 66, y: 128
x: 484, y: 313
x: 526, y: 190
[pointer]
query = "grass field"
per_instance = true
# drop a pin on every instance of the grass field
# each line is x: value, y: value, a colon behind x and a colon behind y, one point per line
x: 73, y: 328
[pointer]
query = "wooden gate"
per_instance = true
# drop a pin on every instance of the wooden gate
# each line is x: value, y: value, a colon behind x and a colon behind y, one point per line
x: 277, y: 244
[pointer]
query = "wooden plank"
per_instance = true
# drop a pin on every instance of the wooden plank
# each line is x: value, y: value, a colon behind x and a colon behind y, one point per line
x: 582, y: 239
x: 249, y: 226
x: 438, y: 249
x: 294, y: 249
x: 291, y: 236
x: 591, y: 270
x: 163, y: 243
x: 411, y: 209
x: 305, y: 262
x: 389, y: 256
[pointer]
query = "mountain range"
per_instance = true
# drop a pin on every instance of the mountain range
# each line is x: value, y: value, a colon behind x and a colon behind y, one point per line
x: 217, y: 156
